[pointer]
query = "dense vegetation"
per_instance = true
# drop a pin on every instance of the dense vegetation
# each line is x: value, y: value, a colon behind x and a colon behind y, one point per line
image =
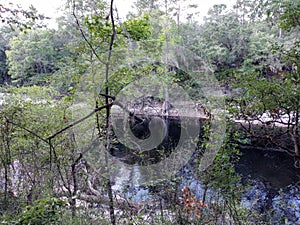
x: 58, y: 87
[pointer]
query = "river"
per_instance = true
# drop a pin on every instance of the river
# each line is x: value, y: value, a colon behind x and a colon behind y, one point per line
x: 272, y: 191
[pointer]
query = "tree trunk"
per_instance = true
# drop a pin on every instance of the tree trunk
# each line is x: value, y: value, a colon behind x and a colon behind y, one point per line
x: 295, y: 138
x: 6, y: 180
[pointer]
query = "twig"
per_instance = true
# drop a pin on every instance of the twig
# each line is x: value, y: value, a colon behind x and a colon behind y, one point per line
x: 108, y: 96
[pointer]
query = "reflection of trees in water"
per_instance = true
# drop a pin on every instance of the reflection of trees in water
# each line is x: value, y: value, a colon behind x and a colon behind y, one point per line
x: 140, y: 128
x: 273, y: 181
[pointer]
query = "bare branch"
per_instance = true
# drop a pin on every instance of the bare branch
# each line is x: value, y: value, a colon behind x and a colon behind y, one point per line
x: 78, y: 121
x: 83, y: 35
x: 29, y: 131
x: 108, y: 96
x: 107, y: 138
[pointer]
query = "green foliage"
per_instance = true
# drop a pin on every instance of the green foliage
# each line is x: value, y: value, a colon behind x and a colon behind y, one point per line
x: 34, y: 56
x: 221, y: 175
x: 223, y: 40
x: 44, y: 211
x: 23, y: 19
x: 3, y: 67
x: 222, y: 185
x: 291, y: 16
x: 266, y: 92
x: 135, y: 29
x: 99, y: 27
x: 6, y: 34
x: 34, y: 93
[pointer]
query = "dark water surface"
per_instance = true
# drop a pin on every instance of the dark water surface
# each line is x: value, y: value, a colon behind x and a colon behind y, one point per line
x: 274, y: 184
x: 273, y: 180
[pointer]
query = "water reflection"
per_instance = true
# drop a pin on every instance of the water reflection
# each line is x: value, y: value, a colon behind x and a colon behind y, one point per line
x: 273, y: 190
x: 273, y: 180
x: 274, y: 184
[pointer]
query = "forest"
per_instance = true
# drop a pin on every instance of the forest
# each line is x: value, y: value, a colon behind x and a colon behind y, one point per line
x: 156, y: 118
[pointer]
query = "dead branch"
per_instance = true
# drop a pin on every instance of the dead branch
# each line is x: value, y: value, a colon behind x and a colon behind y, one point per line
x: 29, y: 131
x: 78, y: 121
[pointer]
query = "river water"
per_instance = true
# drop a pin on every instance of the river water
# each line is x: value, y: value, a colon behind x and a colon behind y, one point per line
x: 273, y: 183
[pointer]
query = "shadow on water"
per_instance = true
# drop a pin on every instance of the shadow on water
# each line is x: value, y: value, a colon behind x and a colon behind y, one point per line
x: 274, y: 184
x: 276, y: 169
x: 140, y: 129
